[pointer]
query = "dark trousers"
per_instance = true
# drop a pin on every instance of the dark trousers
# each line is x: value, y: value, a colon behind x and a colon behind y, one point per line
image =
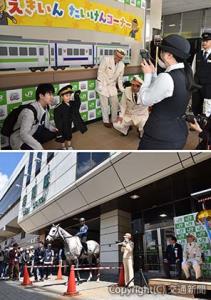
x: 1, y: 267
x: 47, y: 270
x: 41, y: 272
x: 149, y: 143
x: 197, y: 103
x: 167, y: 268
x: 42, y: 135
x: 14, y: 270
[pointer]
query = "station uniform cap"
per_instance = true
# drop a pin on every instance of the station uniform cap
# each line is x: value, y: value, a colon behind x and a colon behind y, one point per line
x: 191, y: 235
x: 121, y: 51
x: 128, y: 235
x: 137, y: 78
x: 206, y: 36
x: 176, y: 45
x: 65, y: 90
x: 82, y: 219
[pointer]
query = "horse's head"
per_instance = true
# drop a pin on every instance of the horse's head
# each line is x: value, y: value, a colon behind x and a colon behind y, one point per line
x: 53, y: 233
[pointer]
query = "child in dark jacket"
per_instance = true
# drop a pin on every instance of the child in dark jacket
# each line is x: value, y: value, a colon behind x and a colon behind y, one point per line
x: 67, y: 114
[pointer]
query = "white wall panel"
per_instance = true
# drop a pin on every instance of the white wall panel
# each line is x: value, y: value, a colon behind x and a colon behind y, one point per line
x: 105, y: 183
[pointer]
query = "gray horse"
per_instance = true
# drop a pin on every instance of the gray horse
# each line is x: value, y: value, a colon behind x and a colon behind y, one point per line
x: 73, y: 248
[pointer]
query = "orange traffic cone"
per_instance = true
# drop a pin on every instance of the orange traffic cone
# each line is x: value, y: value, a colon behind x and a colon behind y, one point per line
x: 26, y: 279
x: 59, y: 274
x: 121, y: 281
x: 71, y: 287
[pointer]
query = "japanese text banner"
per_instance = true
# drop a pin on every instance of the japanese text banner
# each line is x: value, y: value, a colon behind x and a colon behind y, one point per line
x: 75, y: 14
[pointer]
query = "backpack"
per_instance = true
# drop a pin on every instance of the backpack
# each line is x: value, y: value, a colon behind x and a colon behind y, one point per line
x: 11, y: 119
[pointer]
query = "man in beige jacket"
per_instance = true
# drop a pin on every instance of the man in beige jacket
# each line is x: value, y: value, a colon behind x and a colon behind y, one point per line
x: 192, y: 257
x: 132, y: 113
x: 110, y: 74
x: 127, y: 249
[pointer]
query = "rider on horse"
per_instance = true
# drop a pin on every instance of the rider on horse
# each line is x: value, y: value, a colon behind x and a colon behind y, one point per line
x: 82, y: 234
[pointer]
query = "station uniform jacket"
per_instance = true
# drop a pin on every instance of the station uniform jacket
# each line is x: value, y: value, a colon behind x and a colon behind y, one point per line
x: 192, y: 251
x: 192, y: 256
x: 131, y: 112
x: 108, y: 76
x: 127, y: 250
x: 202, y: 70
x: 64, y: 116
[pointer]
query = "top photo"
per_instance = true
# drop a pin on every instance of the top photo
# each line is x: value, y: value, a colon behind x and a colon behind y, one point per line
x: 105, y: 75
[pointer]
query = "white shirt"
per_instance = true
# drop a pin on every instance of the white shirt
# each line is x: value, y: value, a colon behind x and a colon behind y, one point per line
x: 157, y: 88
x: 194, y: 60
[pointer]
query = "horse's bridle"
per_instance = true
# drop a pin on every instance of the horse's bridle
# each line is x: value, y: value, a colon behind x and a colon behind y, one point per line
x: 57, y: 231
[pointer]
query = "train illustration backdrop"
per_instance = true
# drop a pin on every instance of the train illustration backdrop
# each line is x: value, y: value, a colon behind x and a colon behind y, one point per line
x: 17, y: 54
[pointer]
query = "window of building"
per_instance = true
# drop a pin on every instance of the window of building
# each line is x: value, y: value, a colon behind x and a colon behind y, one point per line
x: 50, y: 156
x: 88, y: 161
x: 3, y: 51
x: 29, y: 170
x: 192, y: 22
x: 32, y: 51
x: 23, y: 51
x: 207, y: 18
x: 172, y: 24
x: 13, y: 51
x: 13, y: 194
x: 38, y: 163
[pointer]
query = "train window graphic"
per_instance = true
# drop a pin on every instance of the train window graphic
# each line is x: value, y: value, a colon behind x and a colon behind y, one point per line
x: 40, y: 55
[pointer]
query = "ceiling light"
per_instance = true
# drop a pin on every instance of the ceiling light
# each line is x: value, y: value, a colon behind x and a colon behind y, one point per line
x: 163, y: 215
x: 172, y: 25
x: 134, y: 197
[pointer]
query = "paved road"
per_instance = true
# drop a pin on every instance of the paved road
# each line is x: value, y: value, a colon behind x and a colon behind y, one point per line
x: 52, y: 289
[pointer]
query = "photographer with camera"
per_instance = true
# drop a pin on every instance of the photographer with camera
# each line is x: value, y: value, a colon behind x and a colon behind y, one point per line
x: 66, y: 114
x: 202, y: 125
x: 127, y: 247
x: 169, y: 94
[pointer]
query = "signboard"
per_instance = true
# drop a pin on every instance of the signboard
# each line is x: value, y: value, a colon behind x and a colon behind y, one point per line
x: 75, y: 14
x: 187, y: 224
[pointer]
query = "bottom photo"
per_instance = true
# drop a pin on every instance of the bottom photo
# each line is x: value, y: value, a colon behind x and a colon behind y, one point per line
x: 105, y: 225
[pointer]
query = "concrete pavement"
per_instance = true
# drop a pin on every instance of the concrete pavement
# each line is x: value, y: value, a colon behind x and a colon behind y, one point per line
x: 53, y: 289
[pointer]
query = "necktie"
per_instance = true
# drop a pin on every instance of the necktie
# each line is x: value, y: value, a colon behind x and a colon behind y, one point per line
x: 135, y: 97
x: 205, y: 55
